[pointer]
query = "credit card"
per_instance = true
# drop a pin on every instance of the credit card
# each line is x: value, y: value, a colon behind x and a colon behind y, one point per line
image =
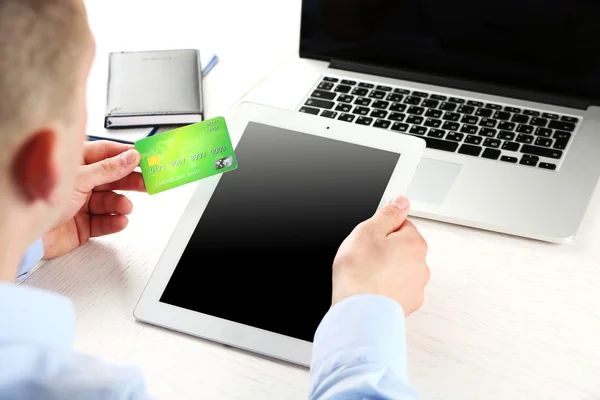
x: 185, y: 155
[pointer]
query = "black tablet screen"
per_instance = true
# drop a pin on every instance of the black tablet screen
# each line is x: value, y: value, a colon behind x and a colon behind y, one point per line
x: 262, y: 252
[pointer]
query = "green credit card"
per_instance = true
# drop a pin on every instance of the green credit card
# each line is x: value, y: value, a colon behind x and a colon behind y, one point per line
x: 185, y: 155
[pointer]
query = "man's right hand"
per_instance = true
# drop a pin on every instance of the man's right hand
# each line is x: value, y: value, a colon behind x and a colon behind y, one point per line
x: 385, y: 255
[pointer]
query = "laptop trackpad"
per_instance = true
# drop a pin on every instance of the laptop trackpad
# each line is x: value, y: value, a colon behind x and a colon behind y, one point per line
x: 433, y: 181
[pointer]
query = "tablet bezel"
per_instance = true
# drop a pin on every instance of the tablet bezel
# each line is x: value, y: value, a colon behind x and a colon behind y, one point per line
x: 149, y: 308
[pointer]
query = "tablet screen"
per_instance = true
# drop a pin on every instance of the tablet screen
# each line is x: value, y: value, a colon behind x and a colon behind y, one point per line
x: 262, y: 252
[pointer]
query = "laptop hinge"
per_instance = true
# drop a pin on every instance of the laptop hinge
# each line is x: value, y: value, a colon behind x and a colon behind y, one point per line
x: 462, y: 84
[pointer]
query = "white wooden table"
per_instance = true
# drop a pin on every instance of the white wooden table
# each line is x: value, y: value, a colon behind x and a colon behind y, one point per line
x: 504, y: 318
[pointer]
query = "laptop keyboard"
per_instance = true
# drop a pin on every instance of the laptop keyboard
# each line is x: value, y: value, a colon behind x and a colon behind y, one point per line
x: 465, y: 126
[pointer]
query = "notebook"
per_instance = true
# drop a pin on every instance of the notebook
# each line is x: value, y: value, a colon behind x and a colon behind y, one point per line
x: 154, y: 88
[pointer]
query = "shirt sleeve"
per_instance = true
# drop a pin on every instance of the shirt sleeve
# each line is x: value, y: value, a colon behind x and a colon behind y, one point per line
x: 359, y: 352
x: 34, y: 254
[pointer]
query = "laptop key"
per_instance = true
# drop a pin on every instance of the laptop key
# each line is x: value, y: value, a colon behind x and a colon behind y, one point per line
x: 504, y: 135
x: 345, y: 98
x: 561, y: 144
x: 395, y: 97
x: 562, y: 135
x: 398, y: 107
x: 495, y: 143
x: 470, y: 119
x: 506, y: 126
x: 330, y: 79
x: 451, y: 126
x: 531, y: 113
x: 447, y: 107
x: 492, y: 154
x: 466, y: 110
x: 348, y: 82
x: 550, y: 116
x: 529, y: 160
x: 320, y: 103
x: 346, y: 117
x: 544, y: 142
x: 438, y: 144
x: 510, y: 146
x: 547, y: 166
x: 434, y: 113
x: 417, y: 130
x: 470, y: 150
x: 379, y: 113
x: 329, y: 114
x: 482, y: 112
x: 397, y: 116
x: 310, y: 110
x: 438, y: 97
x: 414, y: 119
x: 362, y: 101
x: 473, y: 139
x: 325, y: 86
x: 384, y: 88
x: 525, y: 129
x: 366, y: 85
x: 456, y: 100
x: 360, y: 91
x: 415, y: 101
x: 523, y: 138
x: 487, y: 132
x: 563, y: 126
x: 343, y: 89
x: 364, y: 120
x: 377, y: 94
x: 569, y: 119
x: 488, y: 123
x: 400, y: 127
x: 545, y: 132
x: 416, y: 110
x: 454, y: 136
x: 401, y: 91
x: 474, y: 103
x: 382, y: 123
x: 380, y: 104
x: 437, y: 133
x: 502, y: 115
x: 430, y: 103
x: 535, y: 121
x: 450, y: 116
x: 509, y: 159
x: 420, y: 94
x: 361, y: 110
x: 512, y: 109
x: 470, y: 129
x: 493, y: 106
x: 432, y: 123
x: 343, y: 107
x: 542, y: 152
x: 520, y: 119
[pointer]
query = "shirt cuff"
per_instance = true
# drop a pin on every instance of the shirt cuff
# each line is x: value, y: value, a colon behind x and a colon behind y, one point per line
x: 34, y: 255
x: 362, y: 329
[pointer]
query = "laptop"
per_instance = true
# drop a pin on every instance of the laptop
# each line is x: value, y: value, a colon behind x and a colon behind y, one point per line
x: 506, y: 95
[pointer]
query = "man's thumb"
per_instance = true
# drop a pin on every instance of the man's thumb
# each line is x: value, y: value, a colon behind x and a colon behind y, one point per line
x: 390, y: 218
x: 111, y: 169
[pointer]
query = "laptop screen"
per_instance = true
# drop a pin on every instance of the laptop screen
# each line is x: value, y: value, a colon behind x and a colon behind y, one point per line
x: 550, y: 46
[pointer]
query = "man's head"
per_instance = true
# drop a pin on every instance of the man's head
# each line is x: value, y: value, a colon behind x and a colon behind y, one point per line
x: 46, y: 50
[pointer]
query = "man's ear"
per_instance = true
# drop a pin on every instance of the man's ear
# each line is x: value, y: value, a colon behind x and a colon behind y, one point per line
x: 34, y: 170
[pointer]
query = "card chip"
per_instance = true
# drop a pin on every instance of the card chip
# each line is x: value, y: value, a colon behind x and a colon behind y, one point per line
x: 152, y: 161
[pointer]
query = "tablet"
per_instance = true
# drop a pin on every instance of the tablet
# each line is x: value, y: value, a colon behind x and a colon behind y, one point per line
x: 249, y: 263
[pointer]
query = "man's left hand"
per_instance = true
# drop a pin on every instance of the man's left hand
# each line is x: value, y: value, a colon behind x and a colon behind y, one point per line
x: 94, y: 208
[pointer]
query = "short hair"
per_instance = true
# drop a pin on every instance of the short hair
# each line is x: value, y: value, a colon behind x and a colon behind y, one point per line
x: 42, y: 45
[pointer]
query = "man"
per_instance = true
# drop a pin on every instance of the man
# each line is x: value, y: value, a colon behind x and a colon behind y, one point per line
x: 57, y: 193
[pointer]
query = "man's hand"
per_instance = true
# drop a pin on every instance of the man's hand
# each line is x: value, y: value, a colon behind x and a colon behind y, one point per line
x: 384, y: 255
x: 94, y: 208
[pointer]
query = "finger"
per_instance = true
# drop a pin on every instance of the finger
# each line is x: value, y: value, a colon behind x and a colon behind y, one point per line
x: 110, y: 203
x: 109, y: 170
x: 133, y: 181
x: 408, y: 231
x: 390, y: 218
x: 99, y: 150
x: 102, y: 225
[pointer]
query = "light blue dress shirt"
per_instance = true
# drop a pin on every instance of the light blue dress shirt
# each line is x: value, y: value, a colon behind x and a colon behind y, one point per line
x: 359, y: 351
